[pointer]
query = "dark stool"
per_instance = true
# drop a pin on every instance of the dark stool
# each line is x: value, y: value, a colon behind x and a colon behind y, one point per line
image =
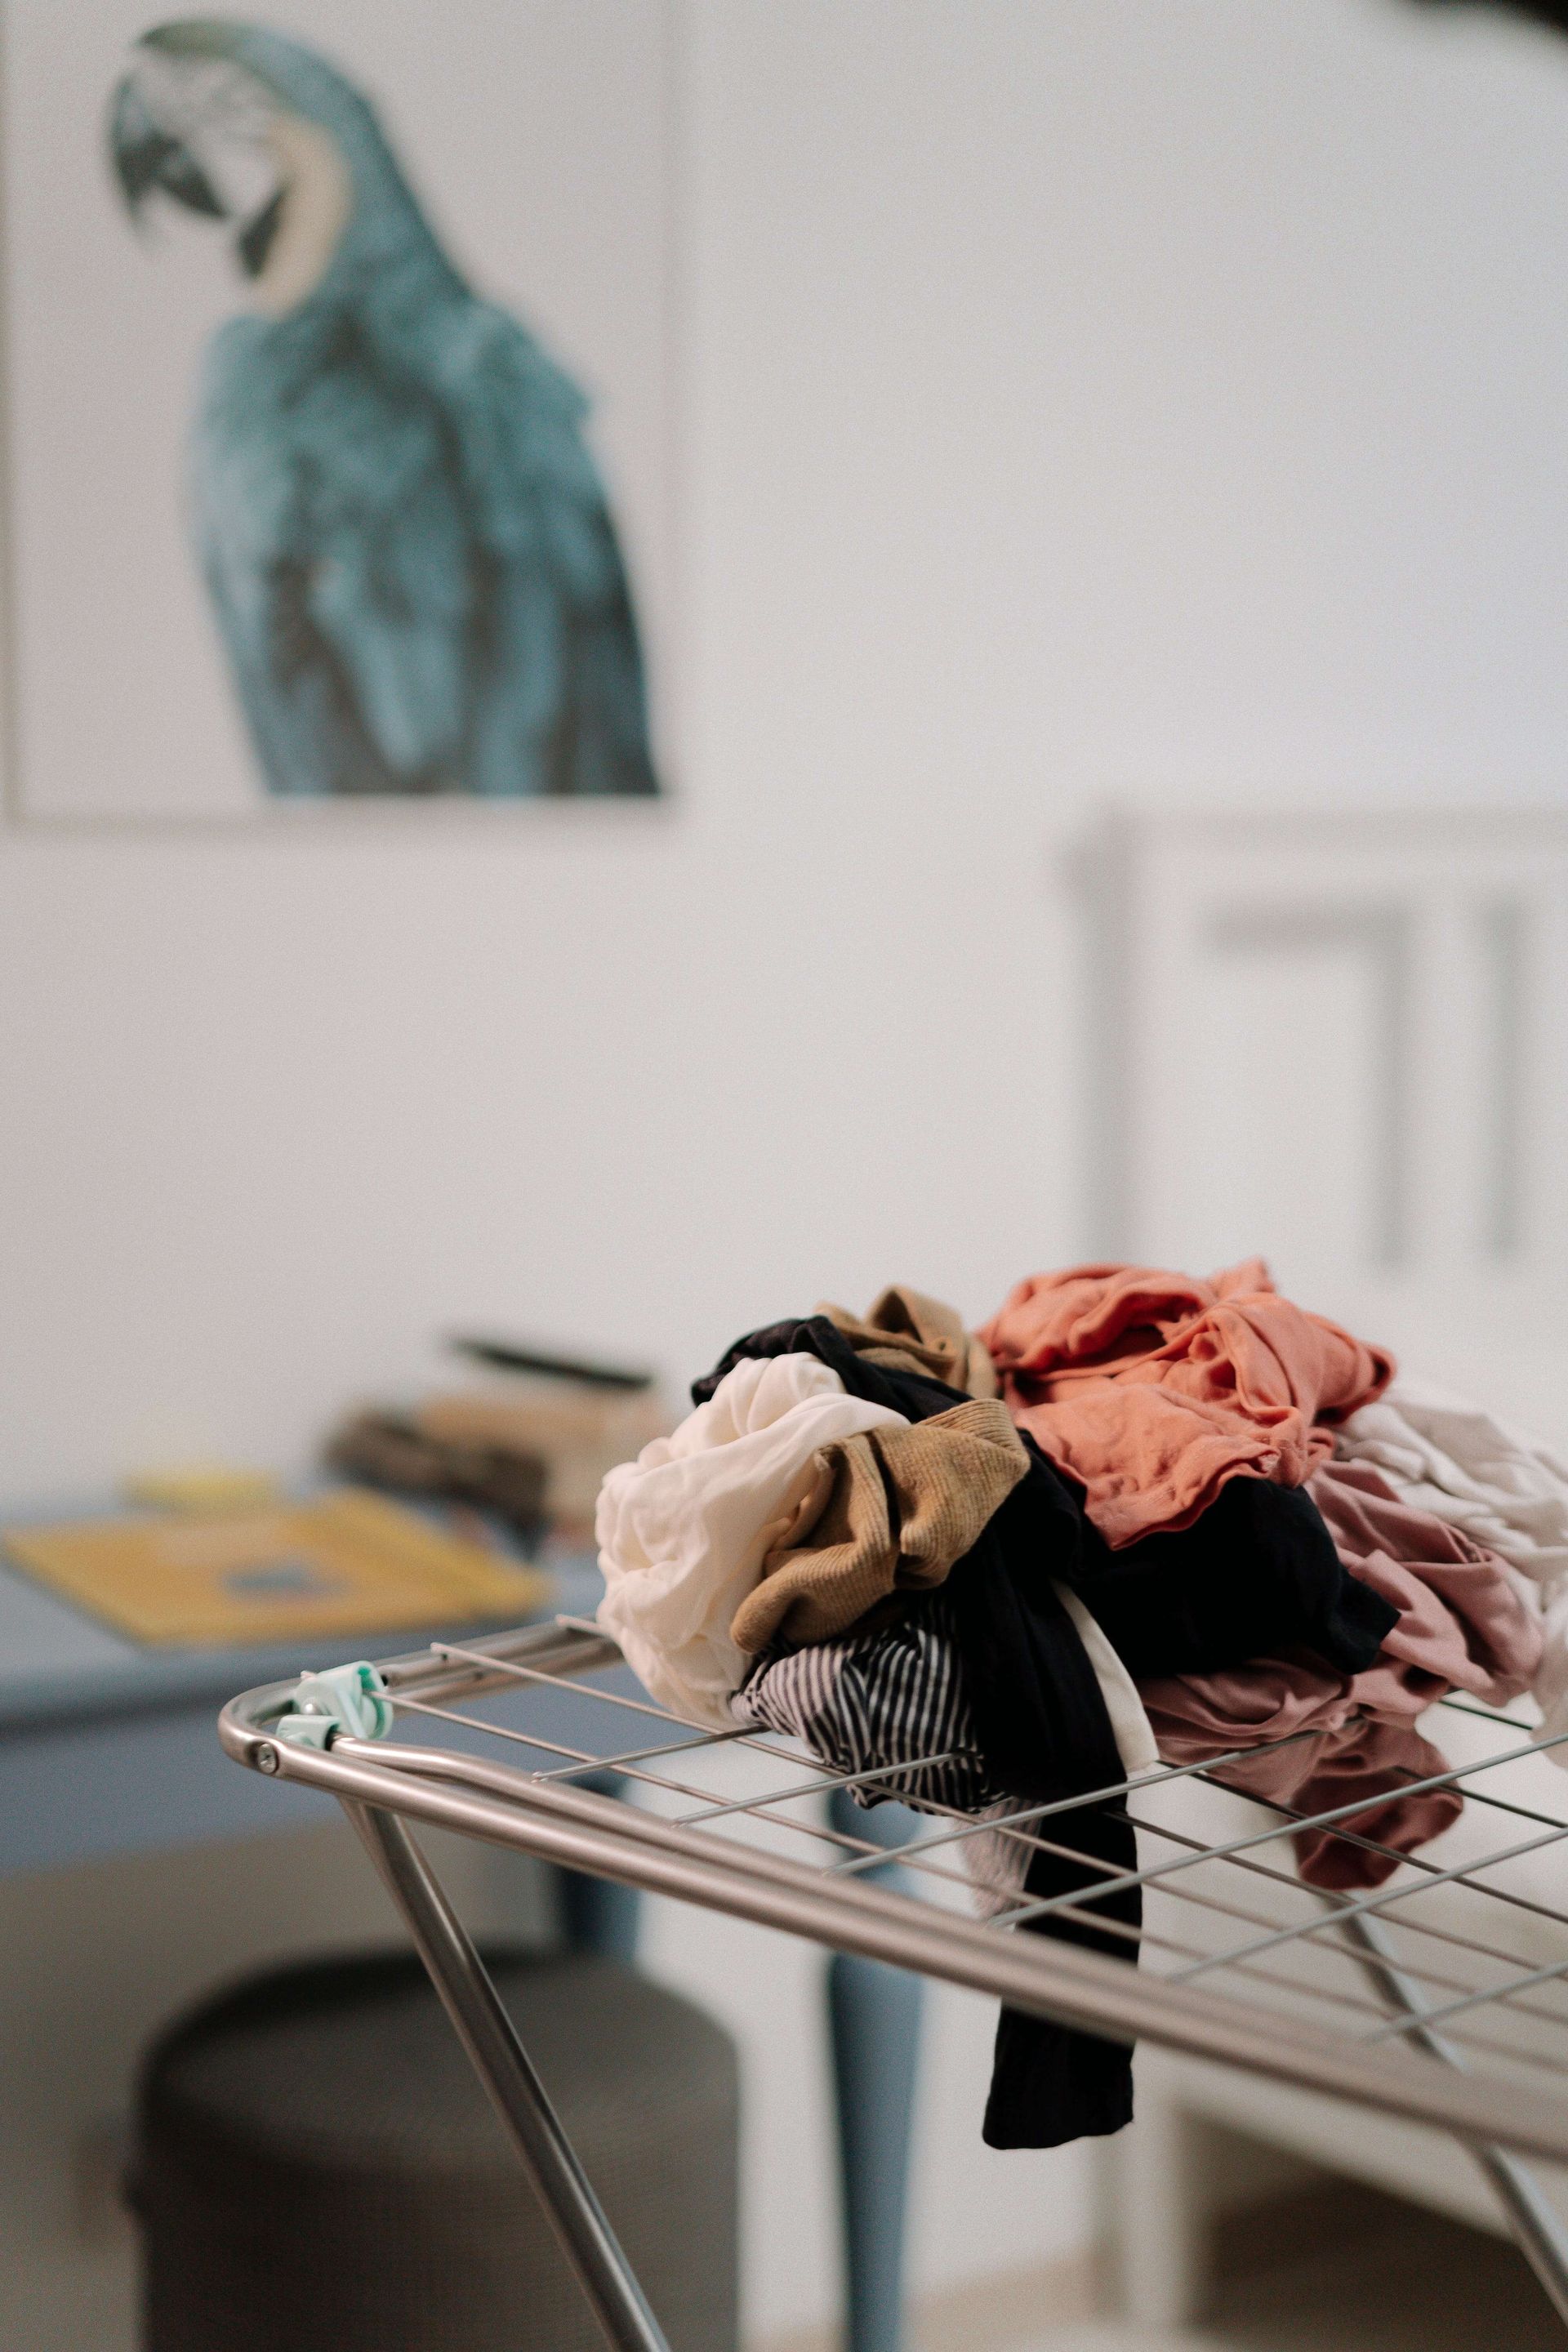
x: 314, y: 2157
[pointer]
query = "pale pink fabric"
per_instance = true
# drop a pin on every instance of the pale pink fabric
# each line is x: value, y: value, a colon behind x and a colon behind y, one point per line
x: 1461, y: 1626
x: 1153, y: 1389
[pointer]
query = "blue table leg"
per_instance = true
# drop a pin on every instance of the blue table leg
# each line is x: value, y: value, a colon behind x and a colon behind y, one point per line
x: 874, y: 2020
x: 596, y: 1915
x: 874, y: 2025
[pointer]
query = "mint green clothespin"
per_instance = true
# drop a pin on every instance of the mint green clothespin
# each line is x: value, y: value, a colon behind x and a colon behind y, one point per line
x: 345, y: 1699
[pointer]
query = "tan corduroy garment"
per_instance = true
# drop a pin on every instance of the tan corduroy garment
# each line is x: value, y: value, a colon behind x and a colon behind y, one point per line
x: 887, y: 1511
x: 910, y: 1332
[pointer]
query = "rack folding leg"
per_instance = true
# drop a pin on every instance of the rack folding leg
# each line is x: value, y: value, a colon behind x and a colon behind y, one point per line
x: 1440, y: 1997
x: 503, y: 2066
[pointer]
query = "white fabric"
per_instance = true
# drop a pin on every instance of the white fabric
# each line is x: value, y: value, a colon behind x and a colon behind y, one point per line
x: 1442, y: 1455
x: 1133, y: 1732
x: 683, y: 1530
x: 1449, y: 1458
x: 997, y: 1863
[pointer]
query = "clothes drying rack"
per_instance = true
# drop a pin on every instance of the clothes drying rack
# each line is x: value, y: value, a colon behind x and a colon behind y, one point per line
x: 1440, y: 1997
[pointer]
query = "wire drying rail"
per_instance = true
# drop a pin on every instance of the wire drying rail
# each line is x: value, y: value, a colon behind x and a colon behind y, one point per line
x: 1441, y: 1997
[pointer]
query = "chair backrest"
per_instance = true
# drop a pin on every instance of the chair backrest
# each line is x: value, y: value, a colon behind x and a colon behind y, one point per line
x: 1342, y: 1041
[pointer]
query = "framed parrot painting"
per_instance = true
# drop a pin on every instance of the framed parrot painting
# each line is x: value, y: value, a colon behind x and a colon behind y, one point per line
x: 339, y: 408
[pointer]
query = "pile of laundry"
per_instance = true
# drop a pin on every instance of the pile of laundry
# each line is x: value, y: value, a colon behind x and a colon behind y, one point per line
x: 1136, y: 1518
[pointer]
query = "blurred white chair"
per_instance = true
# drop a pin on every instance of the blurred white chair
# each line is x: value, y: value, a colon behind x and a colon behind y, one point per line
x: 1341, y: 1043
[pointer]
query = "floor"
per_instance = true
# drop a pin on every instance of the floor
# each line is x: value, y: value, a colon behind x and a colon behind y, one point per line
x: 1408, y: 2281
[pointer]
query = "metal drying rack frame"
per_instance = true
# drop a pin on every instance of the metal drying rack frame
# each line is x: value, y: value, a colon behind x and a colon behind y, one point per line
x: 1414, y: 1999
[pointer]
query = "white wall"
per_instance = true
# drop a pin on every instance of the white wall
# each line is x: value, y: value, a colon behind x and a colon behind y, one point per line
x: 1165, y: 403
x: 1158, y: 402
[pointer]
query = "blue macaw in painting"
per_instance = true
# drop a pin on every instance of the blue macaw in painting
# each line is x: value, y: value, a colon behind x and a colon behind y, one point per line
x: 408, y: 548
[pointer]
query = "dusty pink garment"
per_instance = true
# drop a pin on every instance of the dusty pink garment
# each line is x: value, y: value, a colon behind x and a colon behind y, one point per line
x: 1153, y: 1389
x: 1461, y: 1626
x: 1339, y: 1754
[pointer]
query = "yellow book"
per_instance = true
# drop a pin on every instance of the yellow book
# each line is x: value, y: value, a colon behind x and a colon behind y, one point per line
x: 205, y: 1487
x: 348, y: 1563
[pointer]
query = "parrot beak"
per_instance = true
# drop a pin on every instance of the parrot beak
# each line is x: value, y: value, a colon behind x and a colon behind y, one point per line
x: 146, y: 159
x: 254, y: 242
x: 194, y: 123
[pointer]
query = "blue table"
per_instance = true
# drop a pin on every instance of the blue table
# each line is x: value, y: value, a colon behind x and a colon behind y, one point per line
x: 108, y: 1749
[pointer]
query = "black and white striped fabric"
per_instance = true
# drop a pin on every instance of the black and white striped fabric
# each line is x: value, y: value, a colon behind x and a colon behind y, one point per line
x: 887, y: 1699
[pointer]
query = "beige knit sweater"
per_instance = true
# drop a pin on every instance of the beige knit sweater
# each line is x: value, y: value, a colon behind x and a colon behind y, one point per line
x: 905, y: 1328
x: 887, y: 1511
